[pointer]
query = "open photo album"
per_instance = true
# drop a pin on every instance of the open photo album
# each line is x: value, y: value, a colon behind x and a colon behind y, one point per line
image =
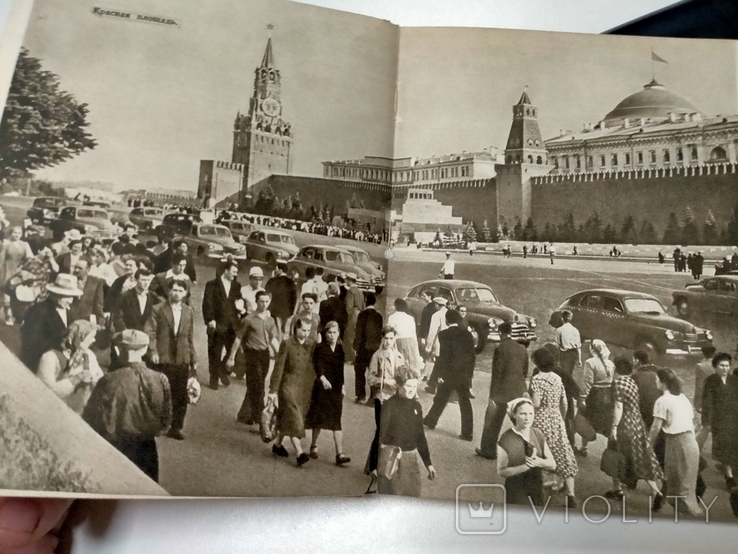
x: 258, y: 248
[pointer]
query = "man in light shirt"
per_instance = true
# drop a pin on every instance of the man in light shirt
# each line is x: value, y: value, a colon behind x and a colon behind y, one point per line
x: 437, y: 324
x: 570, y: 344
x: 449, y: 267
x: 248, y: 292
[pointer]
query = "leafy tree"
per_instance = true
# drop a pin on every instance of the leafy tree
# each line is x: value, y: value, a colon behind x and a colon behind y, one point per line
x: 504, y: 232
x: 517, y: 231
x: 648, y: 233
x: 470, y: 234
x: 265, y: 200
x: 567, y: 230
x: 549, y: 233
x: 530, y: 232
x: 690, y: 231
x: 609, y: 235
x: 593, y: 229
x: 710, y: 233
x: 42, y: 125
x: 628, y: 233
x: 673, y: 231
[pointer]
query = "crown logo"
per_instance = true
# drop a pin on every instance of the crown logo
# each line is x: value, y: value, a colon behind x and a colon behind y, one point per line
x: 481, y: 512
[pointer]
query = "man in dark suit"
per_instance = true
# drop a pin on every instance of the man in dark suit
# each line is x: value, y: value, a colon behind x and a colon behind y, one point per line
x: 165, y: 260
x: 284, y: 296
x: 163, y: 280
x: 333, y: 309
x: 220, y: 314
x: 366, y: 342
x: 509, y: 370
x: 89, y: 306
x: 455, y: 365
x: 172, y: 348
x: 132, y: 310
x: 45, y: 323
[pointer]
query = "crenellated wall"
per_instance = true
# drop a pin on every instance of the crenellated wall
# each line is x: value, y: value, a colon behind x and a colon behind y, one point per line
x: 644, y: 194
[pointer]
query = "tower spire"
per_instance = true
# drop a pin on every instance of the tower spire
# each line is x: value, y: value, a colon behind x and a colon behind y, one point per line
x: 268, y: 59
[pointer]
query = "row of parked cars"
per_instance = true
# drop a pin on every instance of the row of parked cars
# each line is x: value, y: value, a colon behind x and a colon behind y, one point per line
x: 623, y: 318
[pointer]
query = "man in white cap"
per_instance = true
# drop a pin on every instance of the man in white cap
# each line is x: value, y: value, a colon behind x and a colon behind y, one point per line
x: 46, y: 322
x: 354, y: 306
x: 437, y: 324
x: 449, y: 267
x: 248, y: 292
x: 131, y: 406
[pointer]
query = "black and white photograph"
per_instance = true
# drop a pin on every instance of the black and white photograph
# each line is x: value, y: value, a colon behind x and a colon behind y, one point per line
x: 266, y: 249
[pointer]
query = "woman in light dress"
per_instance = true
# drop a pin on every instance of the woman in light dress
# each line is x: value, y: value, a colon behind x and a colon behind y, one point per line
x: 597, y: 402
x: 72, y: 370
x: 406, y: 339
x: 13, y: 252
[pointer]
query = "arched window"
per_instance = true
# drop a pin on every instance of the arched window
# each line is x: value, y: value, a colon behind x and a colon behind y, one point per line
x: 718, y: 154
x: 527, y: 112
x: 530, y: 159
x: 539, y: 160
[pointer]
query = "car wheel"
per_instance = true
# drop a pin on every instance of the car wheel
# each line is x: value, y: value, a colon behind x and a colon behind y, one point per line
x: 648, y: 347
x: 478, y: 336
x: 683, y: 308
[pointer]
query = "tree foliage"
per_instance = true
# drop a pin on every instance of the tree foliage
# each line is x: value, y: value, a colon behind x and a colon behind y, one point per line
x: 42, y: 125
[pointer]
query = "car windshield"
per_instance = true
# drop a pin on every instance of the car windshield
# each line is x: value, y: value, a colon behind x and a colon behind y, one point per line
x: 475, y: 295
x: 644, y: 305
x: 214, y: 232
x: 273, y: 237
x: 92, y: 214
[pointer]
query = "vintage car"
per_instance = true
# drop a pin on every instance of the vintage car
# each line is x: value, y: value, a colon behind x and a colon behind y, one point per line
x: 93, y: 222
x: 631, y: 320
x: 714, y: 295
x: 484, y: 311
x: 270, y: 246
x: 176, y: 224
x: 209, y: 240
x: 146, y: 218
x: 364, y: 261
x: 239, y: 229
x: 45, y: 208
x: 334, y: 262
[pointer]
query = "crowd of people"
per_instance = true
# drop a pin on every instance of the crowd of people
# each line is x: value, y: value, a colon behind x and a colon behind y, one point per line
x: 687, y: 261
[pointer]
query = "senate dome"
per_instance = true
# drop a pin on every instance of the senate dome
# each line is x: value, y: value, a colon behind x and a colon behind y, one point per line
x: 653, y: 102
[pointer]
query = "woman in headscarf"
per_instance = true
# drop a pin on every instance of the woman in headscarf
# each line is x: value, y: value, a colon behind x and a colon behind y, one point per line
x: 326, y: 402
x: 13, y: 252
x: 29, y: 283
x: 71, y: 371
x: 596, y: 399
x: 402, y: 430
x: 407, y: 338
x: 630, y: 435
x: 549, y: 400
x: 522, y: 455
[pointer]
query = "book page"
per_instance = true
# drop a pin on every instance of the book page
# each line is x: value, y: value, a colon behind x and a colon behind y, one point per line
x: 150, y: 148
x: 554, y: 176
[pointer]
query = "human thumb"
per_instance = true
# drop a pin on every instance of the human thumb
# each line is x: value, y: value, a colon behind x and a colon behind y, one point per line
x: 24, y: 521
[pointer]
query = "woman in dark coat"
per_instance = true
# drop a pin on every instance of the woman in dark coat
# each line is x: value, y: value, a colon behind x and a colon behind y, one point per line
x: 291, y: 386
x: 326, y: 403
x: 333, y: 308
x: 715, y: 410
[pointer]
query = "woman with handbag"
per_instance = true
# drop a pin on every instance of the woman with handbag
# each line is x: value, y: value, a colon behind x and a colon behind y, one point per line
x: 631, y: 457
x: 596, y: 399
x: 290, y: 388
x: 549, y: 400
x: 326, y: 403
x: 72, y: 370
x: 673, y: 415
x: 522, y: 455
x: 402, y: 440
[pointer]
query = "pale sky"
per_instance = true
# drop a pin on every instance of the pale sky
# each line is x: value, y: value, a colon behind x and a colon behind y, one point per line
x: 162, y: 98
x: 457, y: 87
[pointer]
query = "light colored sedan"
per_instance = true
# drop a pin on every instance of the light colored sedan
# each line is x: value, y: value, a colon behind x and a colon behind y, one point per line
x: 270, y: 246
x: 146, y: 218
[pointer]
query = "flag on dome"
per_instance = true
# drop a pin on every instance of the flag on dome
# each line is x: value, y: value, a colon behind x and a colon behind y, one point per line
x: 655, y: 57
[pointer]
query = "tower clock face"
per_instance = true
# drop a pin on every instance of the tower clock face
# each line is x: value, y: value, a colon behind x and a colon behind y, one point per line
x: 270, y: 107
